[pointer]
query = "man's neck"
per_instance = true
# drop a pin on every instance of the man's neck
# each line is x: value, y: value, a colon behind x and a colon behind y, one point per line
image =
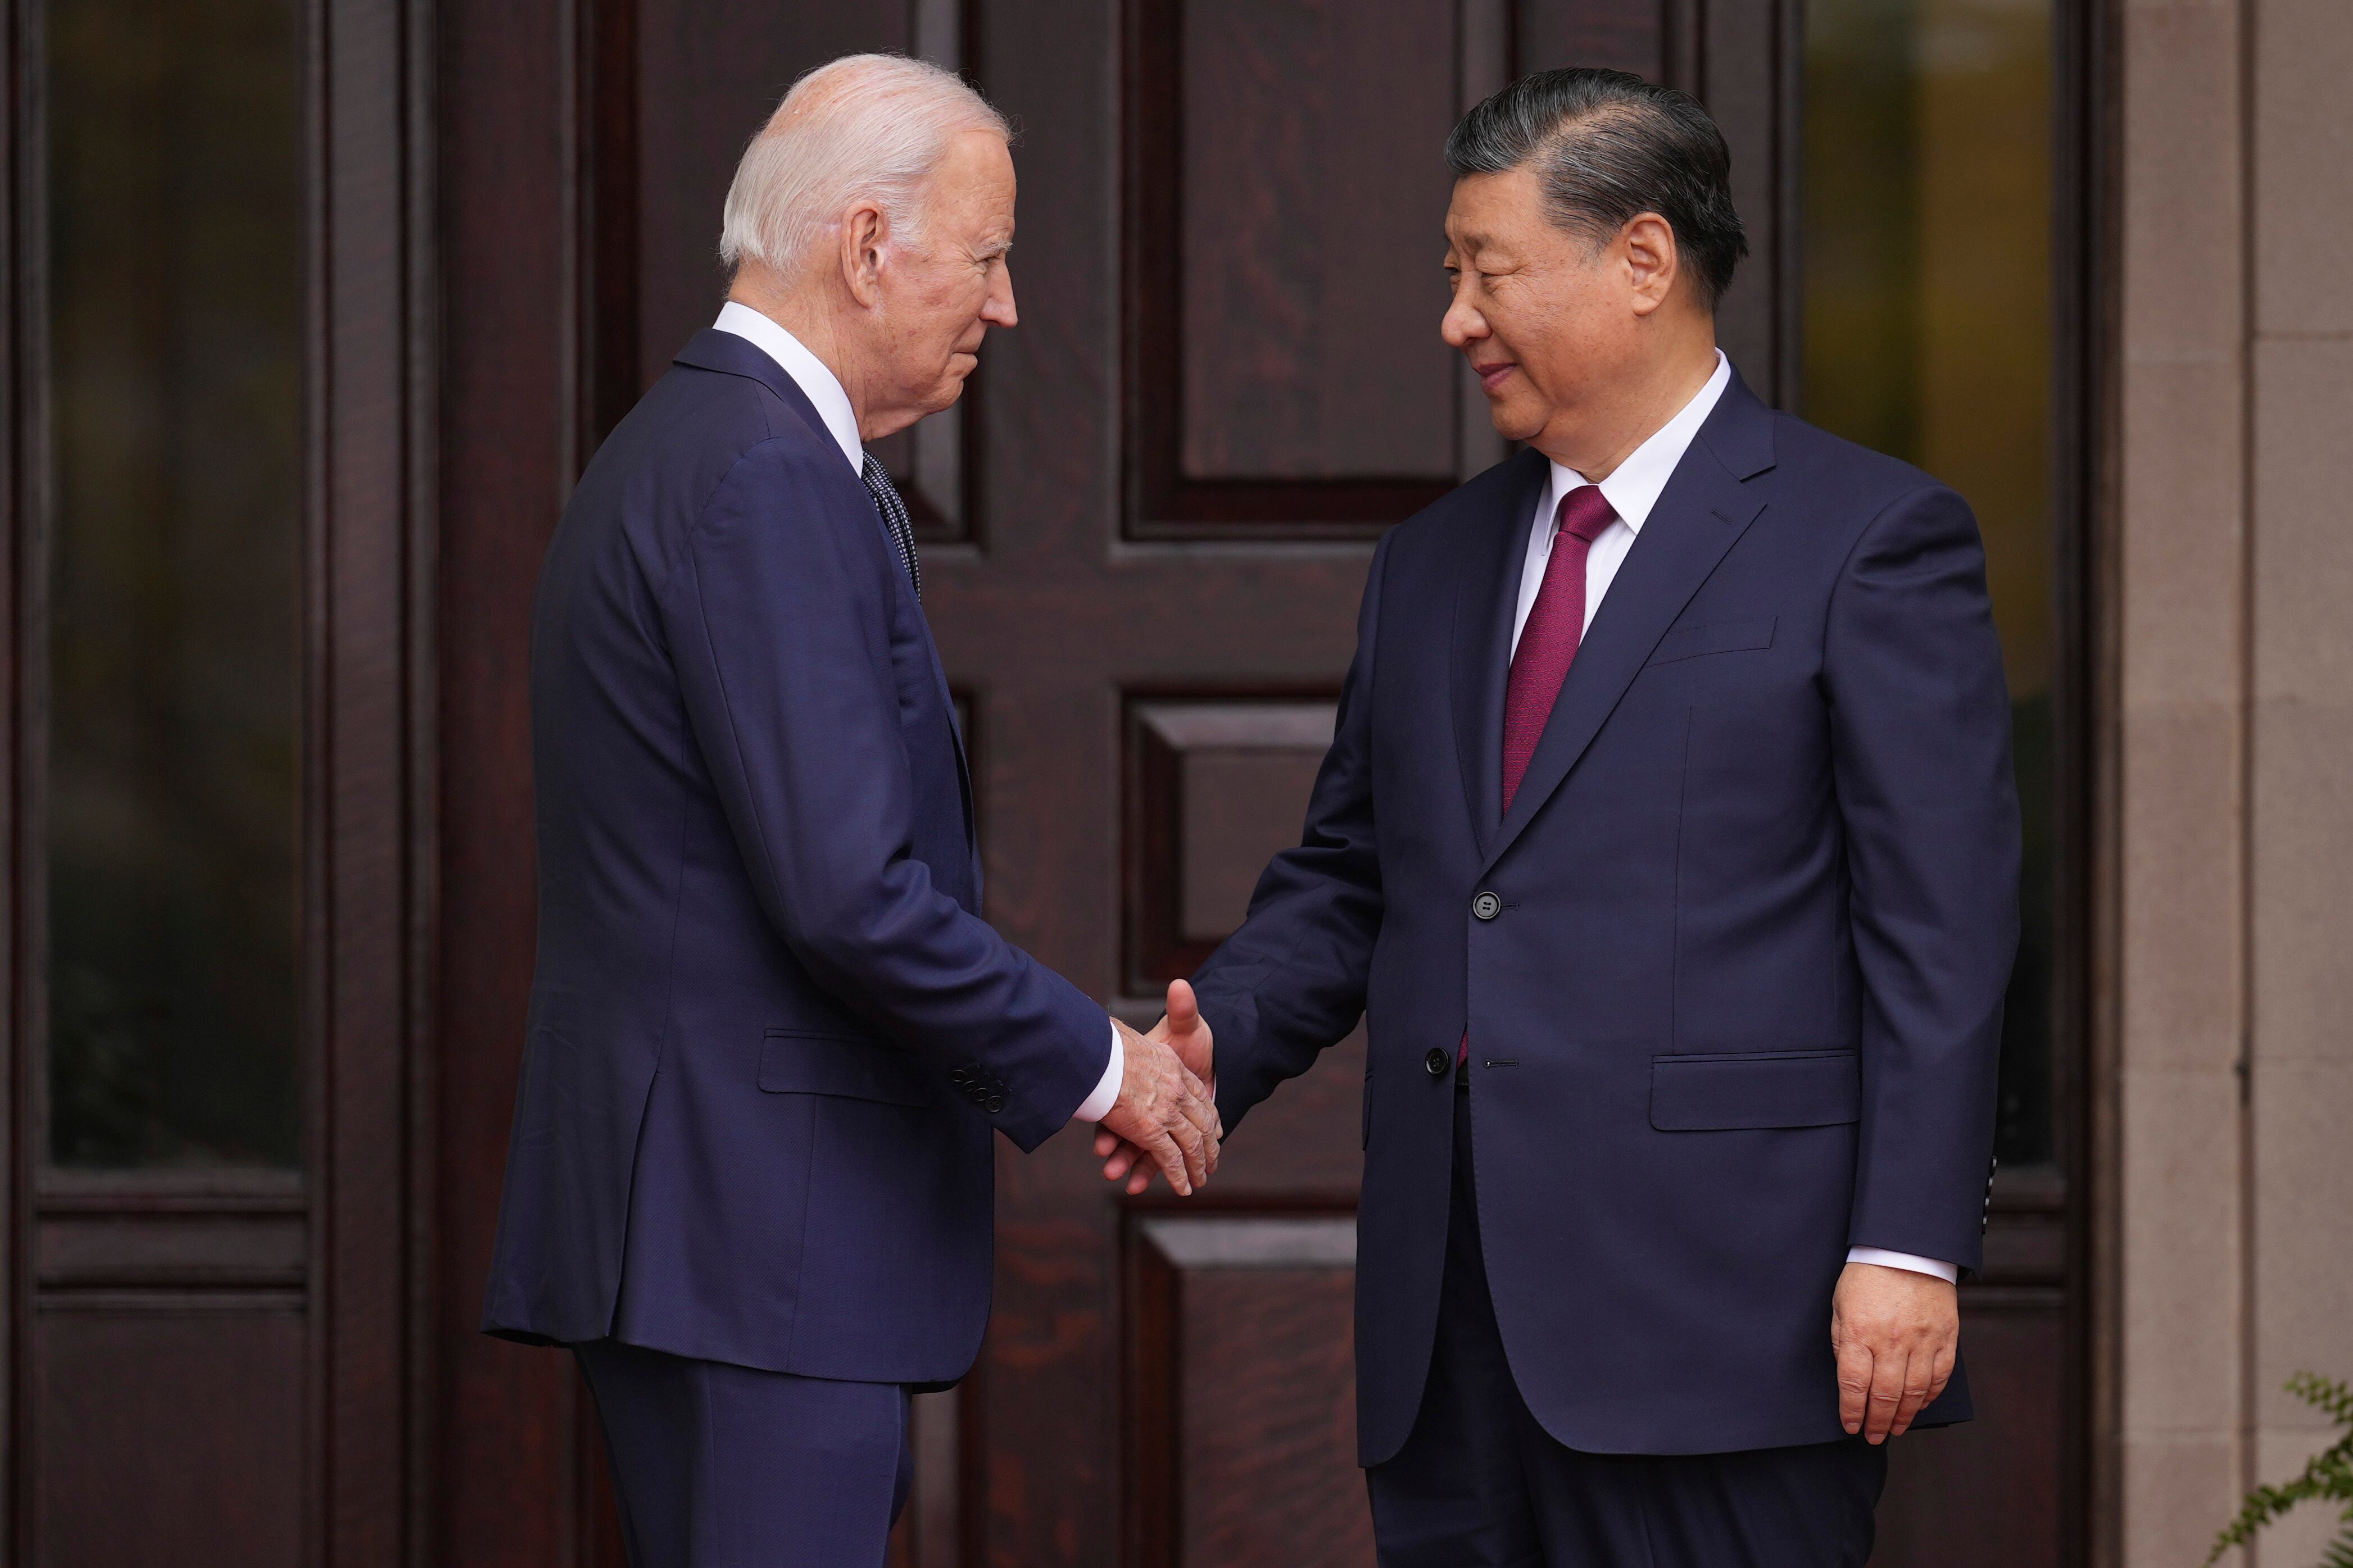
x: 1599, y: 443
x: 810, y: 324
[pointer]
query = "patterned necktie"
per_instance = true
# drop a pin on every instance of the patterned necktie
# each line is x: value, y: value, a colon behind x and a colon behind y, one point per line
x: 1555, y: 624
x: 894, y: 514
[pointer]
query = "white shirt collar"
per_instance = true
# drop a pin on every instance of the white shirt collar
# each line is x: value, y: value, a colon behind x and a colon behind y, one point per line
x: 819, y: 385
x: 1633, y: 488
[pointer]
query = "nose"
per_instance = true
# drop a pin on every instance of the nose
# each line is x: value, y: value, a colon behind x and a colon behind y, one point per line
x: 998, y: 311
x: 1462, y: 325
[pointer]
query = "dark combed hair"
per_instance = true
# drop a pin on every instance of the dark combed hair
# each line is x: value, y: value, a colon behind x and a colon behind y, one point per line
x: 1606, y: 146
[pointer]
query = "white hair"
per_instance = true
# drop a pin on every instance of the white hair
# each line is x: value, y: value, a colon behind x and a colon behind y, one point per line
x: 861, y: 126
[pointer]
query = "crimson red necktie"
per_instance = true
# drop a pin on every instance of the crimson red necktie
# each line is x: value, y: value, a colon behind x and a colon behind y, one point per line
x: 1548, y: 642
x: 1555, y: 624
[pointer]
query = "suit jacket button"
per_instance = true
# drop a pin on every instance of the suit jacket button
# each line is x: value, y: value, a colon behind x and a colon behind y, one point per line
x: 1437, y: 1061
x: 1486, y: 906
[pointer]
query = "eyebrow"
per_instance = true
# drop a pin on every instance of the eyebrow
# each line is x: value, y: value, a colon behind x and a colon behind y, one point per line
x: 993, y: 247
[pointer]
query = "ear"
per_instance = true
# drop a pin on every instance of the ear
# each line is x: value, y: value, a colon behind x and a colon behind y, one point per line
x: 865, y: 233
x: 1653, y: 263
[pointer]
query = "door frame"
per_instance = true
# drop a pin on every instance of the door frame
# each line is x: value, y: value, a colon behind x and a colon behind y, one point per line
x: 2087, y: 197
x: 331, y: 1242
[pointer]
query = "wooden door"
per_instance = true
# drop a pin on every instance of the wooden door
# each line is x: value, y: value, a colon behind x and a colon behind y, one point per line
x: 1144, y: 531
x: 212, y: 790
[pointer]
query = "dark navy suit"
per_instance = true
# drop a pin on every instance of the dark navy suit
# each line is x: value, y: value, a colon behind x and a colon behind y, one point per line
x: 770, y: 1037
x: 1731, y: 967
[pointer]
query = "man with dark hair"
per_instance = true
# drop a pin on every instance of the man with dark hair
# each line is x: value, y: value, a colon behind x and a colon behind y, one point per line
x: 1668, y: 845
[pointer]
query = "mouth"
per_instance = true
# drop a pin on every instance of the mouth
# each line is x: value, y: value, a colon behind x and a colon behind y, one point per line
x: 1492, y: 374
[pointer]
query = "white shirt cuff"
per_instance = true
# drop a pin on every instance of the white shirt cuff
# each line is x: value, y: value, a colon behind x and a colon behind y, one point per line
x: 1948, y: 1273
x: 1098, y: 1105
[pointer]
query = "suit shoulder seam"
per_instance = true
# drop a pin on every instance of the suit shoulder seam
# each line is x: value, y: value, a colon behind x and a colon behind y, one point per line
x: 1863, y: 536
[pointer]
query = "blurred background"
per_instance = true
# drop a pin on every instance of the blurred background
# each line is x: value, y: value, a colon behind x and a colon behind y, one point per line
x: 317, y: 306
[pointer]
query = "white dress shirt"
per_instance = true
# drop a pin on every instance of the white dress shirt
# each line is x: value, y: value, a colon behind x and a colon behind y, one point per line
x: 823, y: 389
x: 1631, y: 490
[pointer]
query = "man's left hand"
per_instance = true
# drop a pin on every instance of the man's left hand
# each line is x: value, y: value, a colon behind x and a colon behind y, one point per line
x: 1896, y: 1333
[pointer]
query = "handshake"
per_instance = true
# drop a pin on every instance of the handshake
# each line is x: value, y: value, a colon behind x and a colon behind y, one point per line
x: 1166, y: 1112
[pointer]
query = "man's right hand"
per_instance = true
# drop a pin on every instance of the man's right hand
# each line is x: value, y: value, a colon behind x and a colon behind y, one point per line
x: 1897, y: 1335
x: 1166, y: 1111
x: 1185, y: 1031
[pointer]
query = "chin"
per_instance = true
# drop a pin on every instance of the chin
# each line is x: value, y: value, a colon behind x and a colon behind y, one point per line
x: 1514, y: 421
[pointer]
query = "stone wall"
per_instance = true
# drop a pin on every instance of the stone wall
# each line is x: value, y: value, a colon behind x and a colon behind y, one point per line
x: 2232, y: 1094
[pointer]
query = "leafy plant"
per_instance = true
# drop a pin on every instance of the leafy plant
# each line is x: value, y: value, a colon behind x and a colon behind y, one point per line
x: 2329, y: 1476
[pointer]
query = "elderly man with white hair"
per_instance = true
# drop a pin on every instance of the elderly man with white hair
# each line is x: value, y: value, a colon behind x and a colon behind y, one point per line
x: 770, y: 1039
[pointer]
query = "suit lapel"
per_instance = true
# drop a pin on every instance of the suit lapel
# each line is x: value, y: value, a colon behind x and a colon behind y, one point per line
x: 1699, y: 516
x: 1486, y: 589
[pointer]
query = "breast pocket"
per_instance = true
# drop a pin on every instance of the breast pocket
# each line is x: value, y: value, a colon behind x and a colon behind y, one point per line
x: 797, y: 1062
x: 1726, y: 1090
x: 1714, y: 636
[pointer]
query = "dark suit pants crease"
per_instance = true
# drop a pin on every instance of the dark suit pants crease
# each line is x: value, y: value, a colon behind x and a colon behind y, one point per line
x: 1479, y: 1484
x: 717, y: 1466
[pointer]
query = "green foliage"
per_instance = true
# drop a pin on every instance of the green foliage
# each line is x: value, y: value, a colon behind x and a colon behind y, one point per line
x: 2329, y: 1477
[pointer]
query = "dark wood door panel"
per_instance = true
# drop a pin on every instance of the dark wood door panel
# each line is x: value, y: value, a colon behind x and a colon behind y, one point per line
x: 1215, y: 786
x: 1989, y: 1492
x: 169, y: 1430
x: 1284, y: 191
x: 518, y: 393
x: 1242, y: 1399
x: 1306, y: 178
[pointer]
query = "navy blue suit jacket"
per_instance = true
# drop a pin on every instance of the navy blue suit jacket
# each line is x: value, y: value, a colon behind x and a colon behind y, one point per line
x: 1740, y: 1005
x: 769, y: 1033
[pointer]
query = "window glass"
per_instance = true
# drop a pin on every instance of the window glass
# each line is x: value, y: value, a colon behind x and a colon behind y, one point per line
x: 1928, y: 334
x: 174, y: 208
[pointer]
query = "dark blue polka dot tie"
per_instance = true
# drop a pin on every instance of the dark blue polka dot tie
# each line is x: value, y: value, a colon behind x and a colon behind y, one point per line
x: 894, y: 514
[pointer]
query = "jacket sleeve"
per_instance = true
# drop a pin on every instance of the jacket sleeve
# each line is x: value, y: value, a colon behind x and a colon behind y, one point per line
x: 1292, y: 981
x: 776, y: 613
x: 1920, y: 758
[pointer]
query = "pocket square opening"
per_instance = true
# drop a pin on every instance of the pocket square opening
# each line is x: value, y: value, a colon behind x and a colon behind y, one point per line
x: 1715, y: 637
